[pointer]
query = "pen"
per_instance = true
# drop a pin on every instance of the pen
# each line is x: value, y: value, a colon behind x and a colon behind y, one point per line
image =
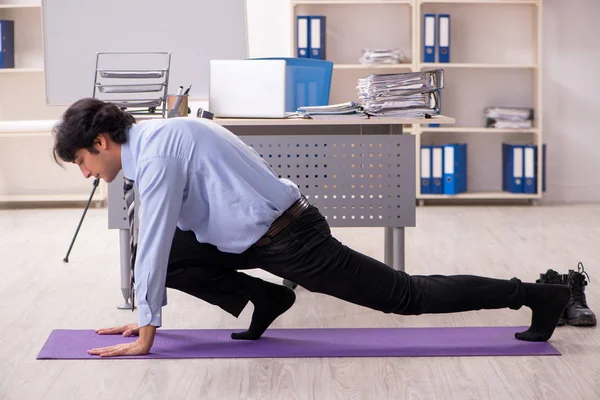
x: 180, y: 91
x: 187, y: 91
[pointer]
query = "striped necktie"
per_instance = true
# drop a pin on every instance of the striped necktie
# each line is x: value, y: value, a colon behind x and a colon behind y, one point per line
x: 128, y: 188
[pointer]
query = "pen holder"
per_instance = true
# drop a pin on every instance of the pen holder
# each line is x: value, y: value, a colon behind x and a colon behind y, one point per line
x: 177, y: 105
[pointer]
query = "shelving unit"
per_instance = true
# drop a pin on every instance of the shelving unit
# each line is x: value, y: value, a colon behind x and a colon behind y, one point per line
x: 491, y: 65
x: 29, y: 173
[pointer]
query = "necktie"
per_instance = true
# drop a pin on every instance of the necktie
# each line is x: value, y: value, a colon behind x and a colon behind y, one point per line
x: 128, y: 188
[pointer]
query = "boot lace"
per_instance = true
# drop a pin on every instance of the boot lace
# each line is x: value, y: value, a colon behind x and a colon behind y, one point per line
x: 577, y: 290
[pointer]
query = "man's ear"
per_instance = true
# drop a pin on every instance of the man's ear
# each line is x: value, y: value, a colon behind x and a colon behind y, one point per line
x: 101, y: 141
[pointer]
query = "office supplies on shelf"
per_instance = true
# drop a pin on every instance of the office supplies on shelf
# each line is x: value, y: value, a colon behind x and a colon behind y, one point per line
x: 7, y: 44
x: 317, y: 39
x: 508, y: 117
x: 512, y: 168
x: 302, y: 36
x: 455, y: 168
x: 137, y: 82
x: 444, y: 38
x: 429, y: 37
x: 383, y: 56
x: 426, y: 169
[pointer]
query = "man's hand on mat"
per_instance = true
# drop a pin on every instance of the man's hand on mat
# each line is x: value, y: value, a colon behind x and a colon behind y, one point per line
x: 137, y: 348
x: 140, y: 347
x: 126, y: 330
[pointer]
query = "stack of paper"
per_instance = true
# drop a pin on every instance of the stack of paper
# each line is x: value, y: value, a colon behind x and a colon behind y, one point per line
x: 508, y: 117
x: 332, y: 109
x: 409, y: 94
x: 383, y: 56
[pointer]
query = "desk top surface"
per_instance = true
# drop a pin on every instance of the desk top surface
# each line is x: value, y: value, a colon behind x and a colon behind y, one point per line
x: 47, y: 125
x: 335, y: 120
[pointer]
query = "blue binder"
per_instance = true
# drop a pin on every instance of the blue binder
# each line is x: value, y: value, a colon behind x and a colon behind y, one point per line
x: 317, y: 37
x: 529, y: 169
x: 444, y: 38
x: 429, y: 38
x: 7, y: 44
x: 455, y: 168
x: 302, y: 36
x: 426, y: 169
x: 543, y: 167
x: 437, y: 169
x: 512, y: 168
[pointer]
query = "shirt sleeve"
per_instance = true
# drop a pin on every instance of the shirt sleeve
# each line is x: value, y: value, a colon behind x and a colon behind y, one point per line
x: 161, y: 183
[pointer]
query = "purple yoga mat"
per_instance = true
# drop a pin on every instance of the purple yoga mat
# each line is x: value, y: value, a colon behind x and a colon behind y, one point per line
x: 311, y: 342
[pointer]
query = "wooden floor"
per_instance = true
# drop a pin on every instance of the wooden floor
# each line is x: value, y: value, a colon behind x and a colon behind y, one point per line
x: 40, y: 293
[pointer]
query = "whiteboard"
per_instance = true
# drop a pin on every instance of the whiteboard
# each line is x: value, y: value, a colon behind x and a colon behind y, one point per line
x: 193, y: 31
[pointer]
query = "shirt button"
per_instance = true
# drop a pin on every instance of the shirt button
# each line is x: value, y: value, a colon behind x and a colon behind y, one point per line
x: 158, y: 315
x: 148, y: 315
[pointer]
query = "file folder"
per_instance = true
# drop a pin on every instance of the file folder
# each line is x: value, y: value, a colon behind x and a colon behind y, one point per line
x: 455, y: 168
x: 439, y: 109
x: 437, y: 170
x: 543, y: 167
x: 429, y: 38
x: 7, y: 44
x: 529, y: 169
x: 512, y: 169
x: 444, y: 38
x: 302, y: 36
x: 426, y: 169
x: 317, y: 37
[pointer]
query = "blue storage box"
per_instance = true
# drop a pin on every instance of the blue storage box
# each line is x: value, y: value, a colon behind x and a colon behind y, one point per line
x: 308, y: 82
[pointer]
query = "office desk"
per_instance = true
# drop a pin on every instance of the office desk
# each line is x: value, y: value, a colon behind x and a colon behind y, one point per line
x: 359, y: 172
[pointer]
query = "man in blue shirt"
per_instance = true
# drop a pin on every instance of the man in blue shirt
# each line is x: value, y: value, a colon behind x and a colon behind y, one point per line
x: 210, y: 206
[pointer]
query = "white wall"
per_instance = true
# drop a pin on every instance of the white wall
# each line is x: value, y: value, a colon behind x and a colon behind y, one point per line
x: 571, y: 87
x: 571, y: 84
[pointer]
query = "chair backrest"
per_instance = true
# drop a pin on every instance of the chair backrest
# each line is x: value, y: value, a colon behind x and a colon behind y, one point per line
x: 308, y: 81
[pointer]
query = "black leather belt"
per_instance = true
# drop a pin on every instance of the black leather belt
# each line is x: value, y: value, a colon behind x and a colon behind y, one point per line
x: 293, y: 212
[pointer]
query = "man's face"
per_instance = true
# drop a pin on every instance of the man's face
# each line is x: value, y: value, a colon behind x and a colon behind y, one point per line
x: 104, y: 164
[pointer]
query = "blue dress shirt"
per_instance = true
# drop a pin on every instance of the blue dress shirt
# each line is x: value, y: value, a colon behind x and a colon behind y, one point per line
x: 194, y: 174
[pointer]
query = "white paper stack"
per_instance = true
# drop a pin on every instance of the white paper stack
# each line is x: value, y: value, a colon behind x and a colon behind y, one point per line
x: 409, y: 94
x: 383, y: 56
x: 508, y: 117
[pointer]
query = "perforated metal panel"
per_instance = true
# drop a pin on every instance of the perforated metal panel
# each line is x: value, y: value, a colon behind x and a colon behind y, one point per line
x: 354, y: 180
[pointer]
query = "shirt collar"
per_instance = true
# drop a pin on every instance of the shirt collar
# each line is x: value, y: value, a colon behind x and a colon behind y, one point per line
x: 127, y: 160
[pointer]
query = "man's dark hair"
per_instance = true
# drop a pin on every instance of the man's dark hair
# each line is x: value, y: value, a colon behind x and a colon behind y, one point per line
x: 81, y: 124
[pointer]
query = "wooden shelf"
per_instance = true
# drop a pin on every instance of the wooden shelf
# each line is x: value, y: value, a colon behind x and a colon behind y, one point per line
x: 366, y: 2
x: 480, y: 196
x: 480, y: 66
x: 370, y: 66
x: 529, y: 2
x: 476, y: 130
x: 20, y: 70
x: 20, y: 6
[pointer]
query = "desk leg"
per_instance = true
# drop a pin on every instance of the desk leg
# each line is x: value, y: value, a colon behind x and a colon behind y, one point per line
x: 125, y: 252
x: 389, y: 247
x: 398, y: 249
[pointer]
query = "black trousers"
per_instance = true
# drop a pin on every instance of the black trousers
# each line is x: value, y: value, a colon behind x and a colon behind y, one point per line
x: 307, y: 254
